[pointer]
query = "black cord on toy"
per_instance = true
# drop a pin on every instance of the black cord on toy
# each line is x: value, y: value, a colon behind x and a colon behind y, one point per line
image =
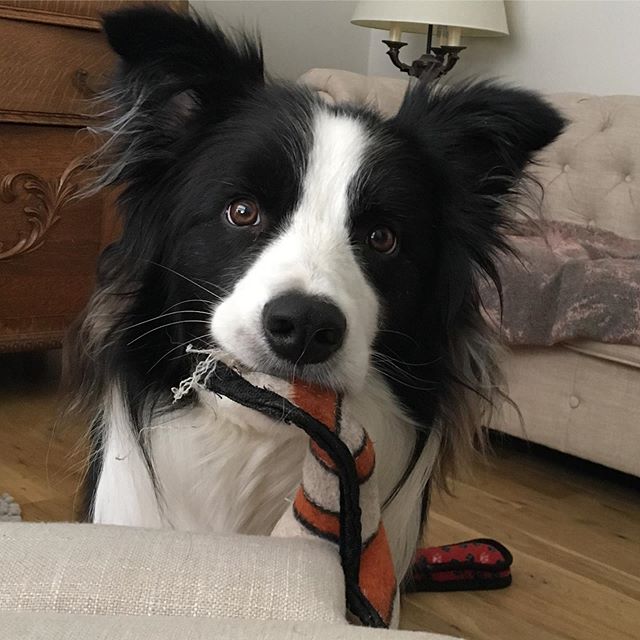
x: 224, y: 381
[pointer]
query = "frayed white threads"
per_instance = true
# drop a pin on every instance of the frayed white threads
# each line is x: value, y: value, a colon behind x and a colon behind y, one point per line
x: 203, y: 369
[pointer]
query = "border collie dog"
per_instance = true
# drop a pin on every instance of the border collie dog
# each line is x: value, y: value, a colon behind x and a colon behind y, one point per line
x: 296, y: 238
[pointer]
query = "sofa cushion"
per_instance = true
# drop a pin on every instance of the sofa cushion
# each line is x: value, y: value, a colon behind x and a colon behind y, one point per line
x: 583, y: 405
x: 621, y: 353
x: 591, y: 173
x: 112, y: 570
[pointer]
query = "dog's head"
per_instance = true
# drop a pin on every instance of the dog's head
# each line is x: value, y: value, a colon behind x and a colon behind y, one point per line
x: 311, y: 239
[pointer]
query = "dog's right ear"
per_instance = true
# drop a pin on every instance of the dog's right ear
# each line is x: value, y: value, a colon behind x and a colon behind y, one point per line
x: 175, y: 74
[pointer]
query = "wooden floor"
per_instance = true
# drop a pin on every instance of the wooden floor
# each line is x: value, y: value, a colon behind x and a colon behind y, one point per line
x: 574, y: 529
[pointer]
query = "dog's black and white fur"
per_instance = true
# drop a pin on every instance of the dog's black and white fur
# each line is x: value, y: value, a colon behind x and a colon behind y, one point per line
x: 241, y: 192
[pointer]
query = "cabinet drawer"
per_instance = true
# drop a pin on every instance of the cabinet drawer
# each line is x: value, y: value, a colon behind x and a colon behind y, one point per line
x: 77, y: 13
x: 50, y: 241
x: 51, y: 10
x: 48, y: 72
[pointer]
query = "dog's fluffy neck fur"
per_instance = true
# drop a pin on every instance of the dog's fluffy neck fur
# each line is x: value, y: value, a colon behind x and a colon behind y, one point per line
x: 223, y: 468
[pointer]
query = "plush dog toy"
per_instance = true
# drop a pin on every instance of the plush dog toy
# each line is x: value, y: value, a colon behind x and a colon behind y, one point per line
x: 338, y: 499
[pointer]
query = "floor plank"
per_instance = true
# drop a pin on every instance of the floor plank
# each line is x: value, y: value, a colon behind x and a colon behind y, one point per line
x: 574, y: 537
x: 573, y: 528
x: 42, y: 452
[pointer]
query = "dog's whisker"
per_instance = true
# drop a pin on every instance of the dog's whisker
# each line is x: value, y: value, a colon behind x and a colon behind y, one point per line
x: 179, y: 346
x: 168, y: 324
x: 177, y: 304
x: 304, y: 350
x: 162, y: 315
x: 399, y: 370
x: 400, y: 333
x: 181, y: 275
x: 217, y: 286
x: 404, y: 383
x: 386, y: 357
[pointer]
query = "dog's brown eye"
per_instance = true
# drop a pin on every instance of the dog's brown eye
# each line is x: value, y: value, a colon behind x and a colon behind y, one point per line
x: 243, y: 213
x: 382, y: 239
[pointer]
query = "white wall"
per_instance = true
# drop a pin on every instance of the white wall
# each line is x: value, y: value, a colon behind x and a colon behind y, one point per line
x: 591, y: 46
x: 297, y: 35
x: 555, y: 45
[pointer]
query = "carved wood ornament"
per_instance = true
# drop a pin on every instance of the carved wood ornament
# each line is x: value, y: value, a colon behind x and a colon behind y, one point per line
x: 45, y: 201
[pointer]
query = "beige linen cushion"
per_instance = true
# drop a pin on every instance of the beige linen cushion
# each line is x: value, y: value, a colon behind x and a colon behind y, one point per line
x: 109, y: 570
x: 56, y: 626
x: 621, y: 353
x: 591, y: 173
x: 581, y: 404
x: 96, y: 582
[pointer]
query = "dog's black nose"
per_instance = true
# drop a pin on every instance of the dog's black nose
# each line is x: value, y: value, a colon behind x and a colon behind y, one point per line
x: 303, y: 329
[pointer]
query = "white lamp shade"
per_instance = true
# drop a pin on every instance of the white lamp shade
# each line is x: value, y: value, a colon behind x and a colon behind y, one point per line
x: 474, y: 17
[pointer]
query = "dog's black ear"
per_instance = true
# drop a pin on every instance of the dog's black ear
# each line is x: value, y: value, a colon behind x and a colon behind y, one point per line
x: 477, y: 139
x: 175, y: 73
x: 485, y: 131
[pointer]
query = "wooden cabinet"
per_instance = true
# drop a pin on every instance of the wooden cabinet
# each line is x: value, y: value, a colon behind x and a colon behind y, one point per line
x: 53, y: 58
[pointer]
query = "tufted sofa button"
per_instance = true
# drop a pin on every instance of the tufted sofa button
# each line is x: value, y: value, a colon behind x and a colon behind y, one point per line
x: 566, y: 168
x: 628, y: 178
x: 574, y: 402
x: 591, y: 224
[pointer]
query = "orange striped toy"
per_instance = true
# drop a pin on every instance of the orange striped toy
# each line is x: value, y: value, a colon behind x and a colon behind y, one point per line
x: 338, y: 498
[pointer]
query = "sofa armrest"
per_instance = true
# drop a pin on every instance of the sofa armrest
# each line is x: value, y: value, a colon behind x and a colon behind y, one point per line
x: 96, y: 582
x: 59, y: 626
x: 383, y: 94
x: 111, y: 570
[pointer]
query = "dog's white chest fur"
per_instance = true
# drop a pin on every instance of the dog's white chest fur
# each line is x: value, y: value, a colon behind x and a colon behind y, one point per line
x: 222, y: 474
x: 214, y: 471
x: 222, y: 468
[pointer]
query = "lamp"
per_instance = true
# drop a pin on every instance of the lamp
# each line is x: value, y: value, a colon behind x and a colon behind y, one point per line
x: 450, y: 19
